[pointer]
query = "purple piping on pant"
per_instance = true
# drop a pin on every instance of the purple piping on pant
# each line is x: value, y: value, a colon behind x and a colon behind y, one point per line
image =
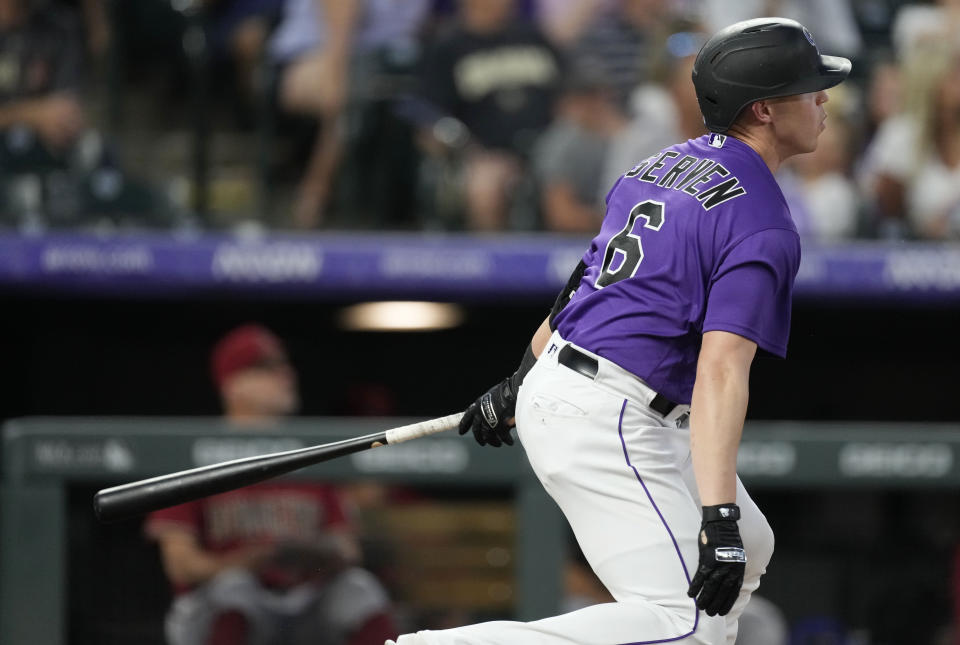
x: 686, y: 573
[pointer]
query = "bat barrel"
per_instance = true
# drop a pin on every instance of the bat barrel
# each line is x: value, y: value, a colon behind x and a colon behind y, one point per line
x: 128, y: 500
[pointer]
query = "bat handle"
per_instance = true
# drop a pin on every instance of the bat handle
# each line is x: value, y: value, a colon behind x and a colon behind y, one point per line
x: 423, y: 429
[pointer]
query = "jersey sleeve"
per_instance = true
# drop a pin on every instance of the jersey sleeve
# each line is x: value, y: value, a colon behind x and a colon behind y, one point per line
x: 751, y: 292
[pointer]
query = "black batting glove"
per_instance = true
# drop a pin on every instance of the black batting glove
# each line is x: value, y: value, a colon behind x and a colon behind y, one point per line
x: 722, y: 560
x: 487, y: 416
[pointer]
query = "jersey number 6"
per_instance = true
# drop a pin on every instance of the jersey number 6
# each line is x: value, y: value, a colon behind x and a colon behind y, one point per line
x: 624, y: 251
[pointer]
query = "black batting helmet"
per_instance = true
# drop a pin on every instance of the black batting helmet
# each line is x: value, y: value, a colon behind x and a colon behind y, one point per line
x: 759, y: 59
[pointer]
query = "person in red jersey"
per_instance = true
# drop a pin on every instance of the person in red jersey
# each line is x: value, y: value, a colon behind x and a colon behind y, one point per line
x: 271, y: 563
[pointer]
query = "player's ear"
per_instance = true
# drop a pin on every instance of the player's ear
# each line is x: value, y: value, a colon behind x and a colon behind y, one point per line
x: 761, y: 111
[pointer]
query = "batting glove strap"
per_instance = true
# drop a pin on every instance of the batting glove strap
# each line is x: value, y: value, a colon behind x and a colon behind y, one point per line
x: 719, y: 576
x: 489, y: 411
x: 721, y: 512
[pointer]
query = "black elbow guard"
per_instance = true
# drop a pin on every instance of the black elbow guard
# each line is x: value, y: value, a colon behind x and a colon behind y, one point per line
x: 567, y: 292
x: 529, y: 360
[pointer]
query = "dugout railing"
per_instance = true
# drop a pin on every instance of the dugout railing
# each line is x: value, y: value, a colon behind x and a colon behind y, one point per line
x: 43, y: 457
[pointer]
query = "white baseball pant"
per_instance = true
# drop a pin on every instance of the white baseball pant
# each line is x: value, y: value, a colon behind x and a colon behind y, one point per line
x: 623, y: 477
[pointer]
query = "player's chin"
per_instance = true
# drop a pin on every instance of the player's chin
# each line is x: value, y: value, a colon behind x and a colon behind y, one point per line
x: 812, y: 142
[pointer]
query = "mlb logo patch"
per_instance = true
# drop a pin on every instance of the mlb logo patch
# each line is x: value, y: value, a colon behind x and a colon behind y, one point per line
x: 717, y: 140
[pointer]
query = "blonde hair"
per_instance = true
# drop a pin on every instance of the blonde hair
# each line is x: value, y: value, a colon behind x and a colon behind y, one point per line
x: 927, y: 64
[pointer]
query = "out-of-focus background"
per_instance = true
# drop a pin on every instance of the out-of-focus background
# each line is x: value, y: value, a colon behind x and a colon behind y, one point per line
x: 398, y: 189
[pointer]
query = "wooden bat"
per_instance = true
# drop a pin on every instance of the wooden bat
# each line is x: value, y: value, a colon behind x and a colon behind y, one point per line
x: 135, y: 498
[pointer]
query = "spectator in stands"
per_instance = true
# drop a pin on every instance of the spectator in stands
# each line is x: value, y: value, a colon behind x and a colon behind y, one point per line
x: 498, y: 78
x: 593, y: 141
x: 665, y: 108
x: 55, y: 170
x: 40, y: 75
x: 918, y: 24
x: 274, y: 562
x: 238, y: 30
x: 882, y: 99
x: 623, y: 36
x: 824, y: 200
x: 315, y: 46
x: 913, y: 164
x: 570, y: 158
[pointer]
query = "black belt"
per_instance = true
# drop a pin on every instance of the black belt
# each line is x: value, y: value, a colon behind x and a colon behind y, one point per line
x: 576, y: 360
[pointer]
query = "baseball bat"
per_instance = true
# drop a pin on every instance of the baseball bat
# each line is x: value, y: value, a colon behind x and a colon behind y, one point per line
x: 136, y: 498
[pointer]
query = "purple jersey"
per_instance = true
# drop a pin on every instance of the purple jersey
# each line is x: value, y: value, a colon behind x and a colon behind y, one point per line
x: 696, y: 238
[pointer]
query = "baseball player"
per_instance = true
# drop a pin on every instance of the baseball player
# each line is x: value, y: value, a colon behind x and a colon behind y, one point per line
x: 632, y: 413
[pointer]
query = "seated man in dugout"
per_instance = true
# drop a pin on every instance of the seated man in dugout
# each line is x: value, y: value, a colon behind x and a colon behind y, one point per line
x: 275, y: 562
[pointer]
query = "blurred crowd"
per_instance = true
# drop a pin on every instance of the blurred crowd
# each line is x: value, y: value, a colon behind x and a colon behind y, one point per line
x: 480, y: 115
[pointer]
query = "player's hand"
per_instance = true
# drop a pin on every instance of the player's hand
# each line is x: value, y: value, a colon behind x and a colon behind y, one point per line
x: 317, y: 559
x: 252, y: 557
x: 490, y: 417
x: 722, y: 560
